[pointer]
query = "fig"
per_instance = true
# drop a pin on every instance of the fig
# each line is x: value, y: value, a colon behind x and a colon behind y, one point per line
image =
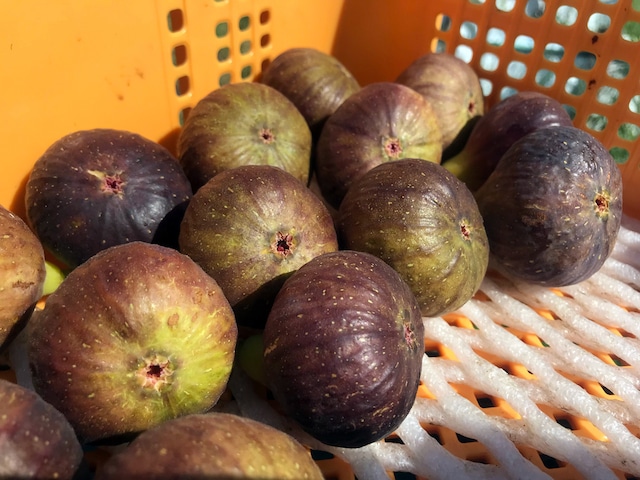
x: 451, y: 86
x: 135, y: 336
x: 93, y: 189
x: 495, y: 131
x: 381, y: 122
x: 22, y: 274
x: 249, y: 228
x: 214, y: 445
x: 244, y: 124
x: 343, y: 348
x: 552, y: 207
x: 316, y: 82
x: 36, y: 440
x: 425, y: 223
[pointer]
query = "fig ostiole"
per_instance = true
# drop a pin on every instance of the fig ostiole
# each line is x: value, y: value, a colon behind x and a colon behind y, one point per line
x: 381, y: 122
x: 343, y: 348
x: 136, y: 335
x: 552, y: 207
x: 425, y: 223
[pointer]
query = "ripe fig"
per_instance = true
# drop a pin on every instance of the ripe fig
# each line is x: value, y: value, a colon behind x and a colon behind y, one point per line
x: 425, y: 223
x: 244, y: 124
x: 94, y: 189
x: 498, y: 129
x: 22, y: 274
x: 451, y: 86
x: 316, y: 82
x: 381, y: 122
x: 214, y: 445
x: 250, y: 227
x: 136, y: 335
x: 552, y: 207
x: 36, y: 440
x: 343, y: 348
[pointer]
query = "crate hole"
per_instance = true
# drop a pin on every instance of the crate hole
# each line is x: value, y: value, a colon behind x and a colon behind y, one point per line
x: 438, y: 45
x: 182, y: 85
x: 629, y: 132
x: 597, y: 122
x: 404, y: 476
x: 477, y: 2
x: 183, y: 115
x: 608, y: 95
x: 620, y: 155
x: 246, y: 72
x: 244, y: 23
x: 618, y: 69
x: 175, y: 20
x: 485, y: 402
x: 631, y: 31
x: 571, y: 111
x: 489, y: 62
x: 505, y: 5
x: 599, y: 23
x: 223, y: 54
x: 433, y: 352
x: 566, y: 15
x: 463, y: 439
x: 634, y: 104
x: 507, y: 92
x: 553, y: 52
x: 179, y: 55
x: 464, y: 53
x: 495, y: 37
x: 443, y: 22
x: 516, y: 70
x: 480, y: 458
x: 435, y: 436
x: 585, y: 60
x: 618, y: 361
x: 634, y: 5
x: 265, y: 40
x: 394, y: 439
x: 523, y: 44
x: 487, y: 86
x: 545, y: 78
x: 550, y: 462
x: 535, y: 9
x: 245, y: 47
x: 575, y: 86
x: 222, y: 29
x: 565, y: 422
x: 265, y: 16
x: 321, y: 455
x: 224, y: 79
x: 468, y: 30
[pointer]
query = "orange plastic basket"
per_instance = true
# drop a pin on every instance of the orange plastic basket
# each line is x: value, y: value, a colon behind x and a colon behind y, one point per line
x: 142, y: 65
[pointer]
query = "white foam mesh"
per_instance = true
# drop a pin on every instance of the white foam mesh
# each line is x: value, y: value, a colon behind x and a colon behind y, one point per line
x: 587, y: 337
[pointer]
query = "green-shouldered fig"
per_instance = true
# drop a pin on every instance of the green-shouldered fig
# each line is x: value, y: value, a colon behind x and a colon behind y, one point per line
x: 425, y: 223
x: 552, y: 207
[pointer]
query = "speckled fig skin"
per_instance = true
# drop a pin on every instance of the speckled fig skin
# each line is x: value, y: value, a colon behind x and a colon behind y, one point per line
x: 317, y: 83
x: 425, y: 223
x: 552, y: 207
x: 22, y: 274
x: 135, y: 336
x: 343, y: 348
x: 451, y: 86
x: 244, y: 124
x: 249, y: 228
x: 93, y: 189
x: 381, y: 122
x: 495, y: 131
x: 36, y: 440
x: 216, y: 446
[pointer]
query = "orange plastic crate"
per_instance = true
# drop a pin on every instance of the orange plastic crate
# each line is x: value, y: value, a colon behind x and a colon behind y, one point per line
x: 141, y: 65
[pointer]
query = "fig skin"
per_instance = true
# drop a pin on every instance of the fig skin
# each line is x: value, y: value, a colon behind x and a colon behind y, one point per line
x: 22, y: 274
x: 135, y: 336
x: 451, y: 86
x: 214, y: 445
x: 495, y: 131
x: 36, y: 440
x: 249, y: 228
x: 93, y: 189
x: 552, y: 207
x: 381, y: 122
x: 343, y: 348
x: 425, y: 223
x: 317, y: 83
x: 244, y: 124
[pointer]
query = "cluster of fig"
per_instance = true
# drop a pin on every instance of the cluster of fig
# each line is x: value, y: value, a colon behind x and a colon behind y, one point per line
x: 302, y: 230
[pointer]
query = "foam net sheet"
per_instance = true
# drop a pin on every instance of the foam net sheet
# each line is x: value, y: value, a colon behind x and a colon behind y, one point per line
x: 522, y: 382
